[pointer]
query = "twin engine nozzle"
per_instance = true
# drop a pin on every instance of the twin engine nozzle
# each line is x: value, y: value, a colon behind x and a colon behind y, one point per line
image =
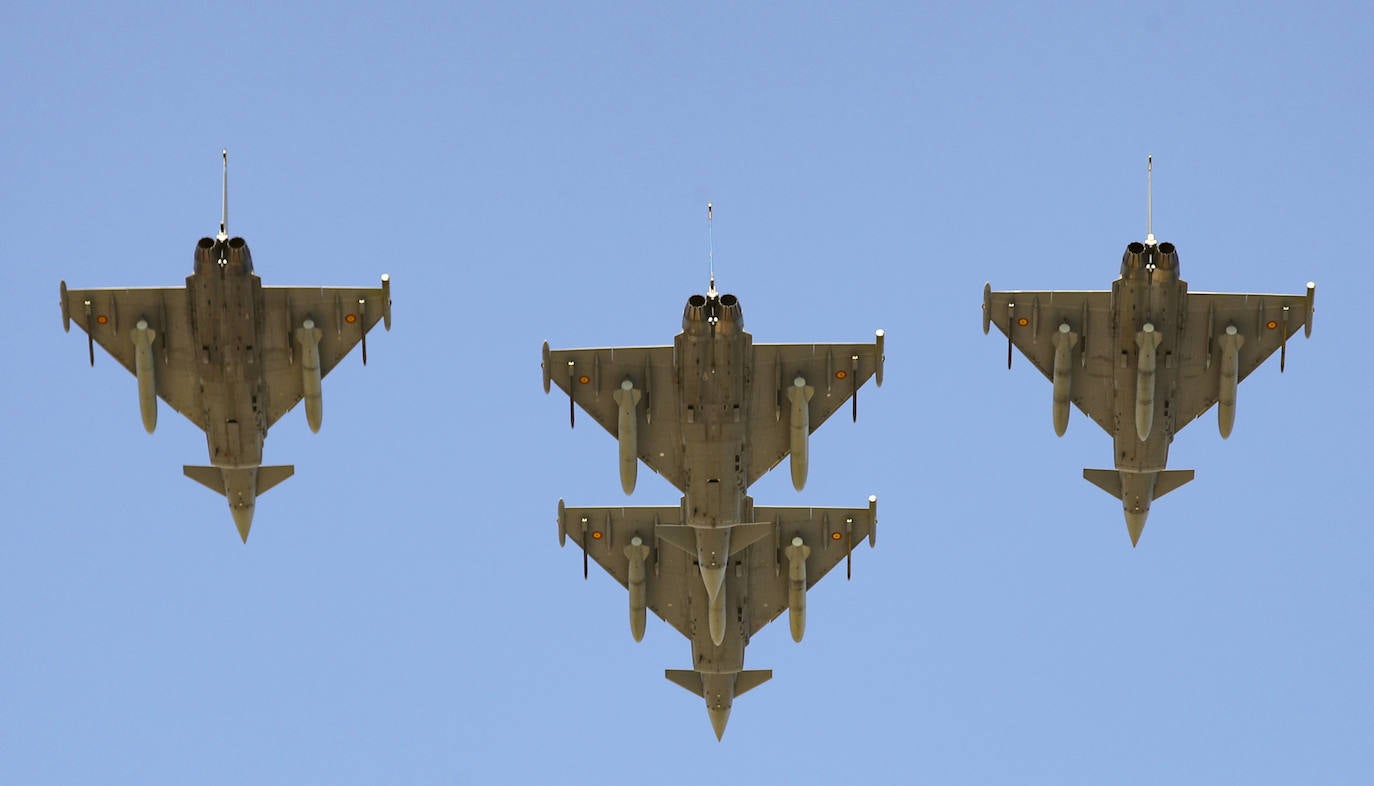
x: 1156, y: 258
x: 722, y: 311
x: 232, y: 252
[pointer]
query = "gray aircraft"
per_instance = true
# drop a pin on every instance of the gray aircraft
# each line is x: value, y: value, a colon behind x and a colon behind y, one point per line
x: 231, y: 355
x: 712, y: 414
x: 1145, y: 359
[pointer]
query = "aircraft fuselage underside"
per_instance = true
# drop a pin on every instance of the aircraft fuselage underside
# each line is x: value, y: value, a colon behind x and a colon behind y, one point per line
x: 225, y: 320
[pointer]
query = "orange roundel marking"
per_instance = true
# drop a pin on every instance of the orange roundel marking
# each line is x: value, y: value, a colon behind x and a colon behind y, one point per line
x: 102, y: 319
x: 596, y: 535
x: 835, y: 536
x: 351, y: 318
x: 584, y: 379
x: 1023, y: 321
x: 841, y: 374
x: 1272, y: 324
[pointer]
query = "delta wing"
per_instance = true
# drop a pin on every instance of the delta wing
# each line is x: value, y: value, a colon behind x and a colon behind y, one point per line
x: 599, y: 379
x: 339, y: 316
x: 623, y: 542
x: 1228, y: 336
x: 827, y: 536
x: 820, y: 377
x: 1034, y: 322
x: 111, y: 317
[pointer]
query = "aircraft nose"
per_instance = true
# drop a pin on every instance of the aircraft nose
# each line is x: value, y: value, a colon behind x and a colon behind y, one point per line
x: 1135, y: 524
x: 243, y: 519
x: 719, y: 717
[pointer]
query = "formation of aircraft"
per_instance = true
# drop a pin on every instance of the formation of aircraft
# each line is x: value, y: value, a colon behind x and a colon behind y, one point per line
x: 230, y: 354
x: 711, y: 414
x: 1145, y: 358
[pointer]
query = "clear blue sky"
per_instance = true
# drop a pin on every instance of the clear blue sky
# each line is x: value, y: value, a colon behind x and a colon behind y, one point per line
x: 402, y: 612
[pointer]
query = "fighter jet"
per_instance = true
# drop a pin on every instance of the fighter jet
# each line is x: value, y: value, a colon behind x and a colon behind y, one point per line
x: 1146, y: 358
x: 231, y: 355
x: 653, y: 554
x: 712, y: 414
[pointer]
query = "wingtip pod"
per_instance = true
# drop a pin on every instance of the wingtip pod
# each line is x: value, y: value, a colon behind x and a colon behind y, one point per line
x: 67, y: 312
x: 562, y: 528
x: 386, y: 301
x: 872, y: 520
x: 1307, y: 324
x: 544, y: 367
x: 879, y: 352
x: 987, y: 307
